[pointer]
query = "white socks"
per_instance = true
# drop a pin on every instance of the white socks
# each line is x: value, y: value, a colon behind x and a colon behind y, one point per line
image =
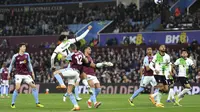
x: 171, y: 94
x: 155, y: 94
x: 183, y: 92
x: 158, y: 97
x: 85, y: 82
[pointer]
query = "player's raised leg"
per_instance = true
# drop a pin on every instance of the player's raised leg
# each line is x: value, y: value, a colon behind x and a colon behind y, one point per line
x: 187, y: 88
x: 59, y: 79
x: 86, y: 83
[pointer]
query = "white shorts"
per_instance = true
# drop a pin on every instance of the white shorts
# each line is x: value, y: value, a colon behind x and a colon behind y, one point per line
x: 5, y: 82
x: 27, y: 78
x: 93, y: 78
x: 148, y: 80
x: 71, y: 75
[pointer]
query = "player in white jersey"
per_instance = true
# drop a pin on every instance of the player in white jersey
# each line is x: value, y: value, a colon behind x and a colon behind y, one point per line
x: 62, y: 48
x: 160, y: 62
x: 183, y: 64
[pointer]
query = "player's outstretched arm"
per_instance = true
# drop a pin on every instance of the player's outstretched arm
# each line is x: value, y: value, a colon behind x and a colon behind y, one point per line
x: 72, y: 41
x: 31, y: 67
x: 99, y: 65
x: 11, y: 64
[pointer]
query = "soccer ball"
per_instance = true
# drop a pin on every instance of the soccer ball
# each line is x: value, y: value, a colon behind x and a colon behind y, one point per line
x: 59, y: 56
x: 158, y: 1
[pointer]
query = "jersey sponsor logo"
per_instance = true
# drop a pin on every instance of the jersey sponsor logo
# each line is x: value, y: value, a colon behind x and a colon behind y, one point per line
x: 23, y: 62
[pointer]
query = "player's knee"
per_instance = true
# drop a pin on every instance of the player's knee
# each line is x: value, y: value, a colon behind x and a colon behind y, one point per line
x: 187, y: 86
x: 166, y: 89
x: 17, y: 87
x: 160, y: 86
x: 97, y: 85
x: 32, y: 84
x: 91, y: 84
x: 56, y: 72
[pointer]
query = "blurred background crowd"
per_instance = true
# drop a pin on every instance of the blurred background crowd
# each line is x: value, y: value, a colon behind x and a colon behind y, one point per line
x: 126, y: 18
x: 127, y: 62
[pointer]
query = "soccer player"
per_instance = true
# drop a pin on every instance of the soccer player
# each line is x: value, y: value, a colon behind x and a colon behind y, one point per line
x: 159, y: 64
x: 92, y: 79
x: 148, y: 77
x: 63, y: 49
x: 5, y: 81
x: 23, y: 66
x: 183, y: 64
x: 77, y: 61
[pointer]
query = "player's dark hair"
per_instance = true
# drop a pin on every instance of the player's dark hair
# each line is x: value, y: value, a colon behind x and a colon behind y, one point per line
x: 73, y: 47
x: 84, y: 48
x: 149, y: 47
x: 21, y: 44
x: 61, y: 37
x: 184, y: 50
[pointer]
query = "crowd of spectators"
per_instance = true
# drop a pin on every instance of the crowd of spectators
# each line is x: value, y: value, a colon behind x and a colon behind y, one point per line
x: 127, y: 63
x: 130, y: 19
x: 184, y: 21
x: 8, y: 2
x: 126, y: 19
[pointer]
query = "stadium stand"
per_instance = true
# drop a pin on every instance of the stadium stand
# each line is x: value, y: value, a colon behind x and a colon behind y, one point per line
x: 127, y: 61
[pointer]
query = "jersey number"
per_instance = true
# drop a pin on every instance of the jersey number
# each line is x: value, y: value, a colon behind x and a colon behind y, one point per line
x: 79, y: 59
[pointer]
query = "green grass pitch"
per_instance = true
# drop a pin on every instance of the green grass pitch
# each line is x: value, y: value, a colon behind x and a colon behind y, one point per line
x: 110, y: 103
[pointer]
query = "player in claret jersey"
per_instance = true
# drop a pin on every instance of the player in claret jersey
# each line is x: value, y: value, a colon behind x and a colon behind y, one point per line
x: 91, y: 77
x: 148, y: 77
x: 23, y: 66
x: 63, y: 48
x: 77, y: 61
x: 5, y: 81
